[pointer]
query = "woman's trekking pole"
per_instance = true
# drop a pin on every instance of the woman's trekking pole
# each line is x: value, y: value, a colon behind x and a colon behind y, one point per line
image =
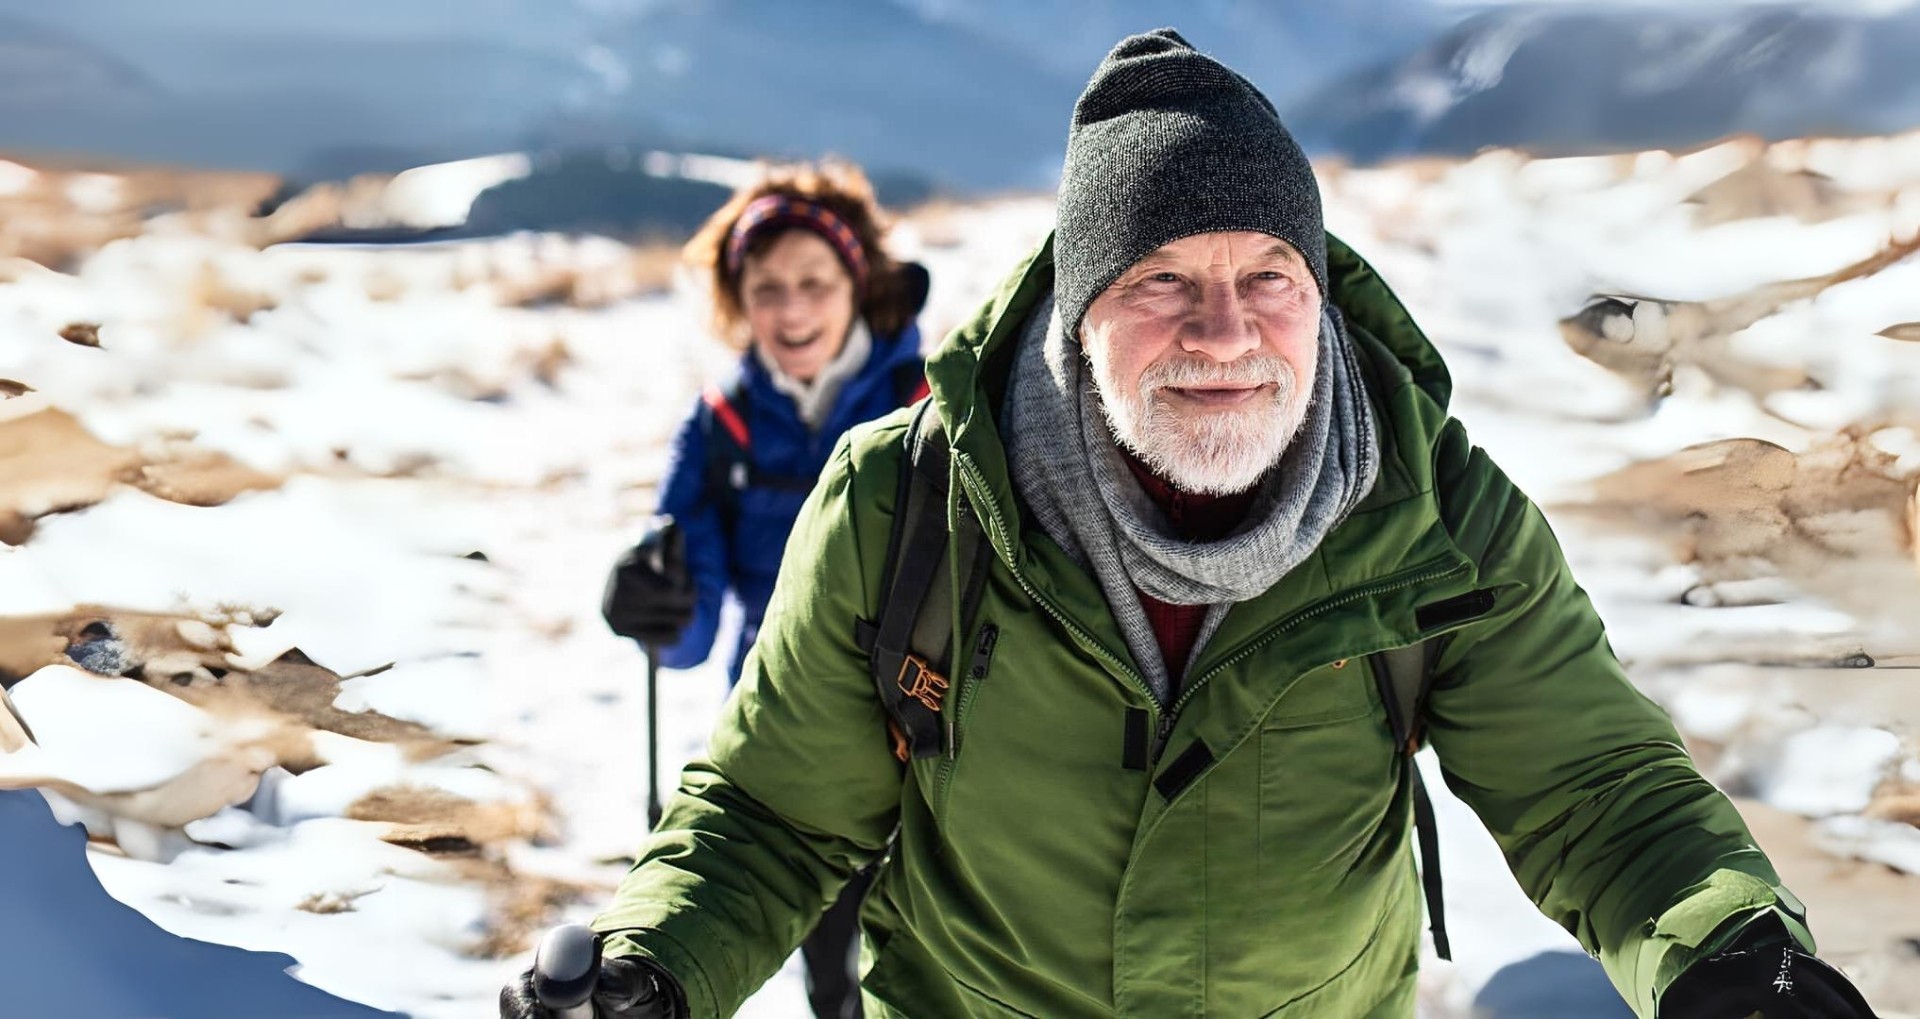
x: 653, y: 737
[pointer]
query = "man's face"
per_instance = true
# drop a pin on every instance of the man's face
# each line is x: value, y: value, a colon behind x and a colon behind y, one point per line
x: 1203, y: 355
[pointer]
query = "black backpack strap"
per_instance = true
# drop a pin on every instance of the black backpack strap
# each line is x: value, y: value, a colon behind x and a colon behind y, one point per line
x: 910, y: 646
x: 1405, y: 675
x: 729, y: 469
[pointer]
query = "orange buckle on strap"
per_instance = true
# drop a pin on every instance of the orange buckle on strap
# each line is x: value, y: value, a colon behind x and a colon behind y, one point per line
x: 921, y: 683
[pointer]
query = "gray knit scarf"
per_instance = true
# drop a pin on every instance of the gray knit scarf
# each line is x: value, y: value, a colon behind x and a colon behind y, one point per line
x: 1068, y: 470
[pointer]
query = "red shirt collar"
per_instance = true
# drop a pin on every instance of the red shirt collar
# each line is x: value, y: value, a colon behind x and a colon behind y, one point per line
x: 1195, y: 517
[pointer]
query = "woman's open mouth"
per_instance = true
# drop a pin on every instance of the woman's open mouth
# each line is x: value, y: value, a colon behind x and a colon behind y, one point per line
x: 798, y: 342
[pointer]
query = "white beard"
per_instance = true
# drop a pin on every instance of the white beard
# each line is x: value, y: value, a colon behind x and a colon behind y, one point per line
x: 1206, y: 452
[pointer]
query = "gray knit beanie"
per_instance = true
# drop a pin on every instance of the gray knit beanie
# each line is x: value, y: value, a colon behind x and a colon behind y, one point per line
x: 1166, y: 143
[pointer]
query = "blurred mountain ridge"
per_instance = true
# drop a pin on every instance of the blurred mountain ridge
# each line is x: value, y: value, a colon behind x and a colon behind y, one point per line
x: 964, y: 98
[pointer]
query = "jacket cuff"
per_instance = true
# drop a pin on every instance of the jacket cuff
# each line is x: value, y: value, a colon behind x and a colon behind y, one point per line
x: 662, y: 950
x: 1707, y: 918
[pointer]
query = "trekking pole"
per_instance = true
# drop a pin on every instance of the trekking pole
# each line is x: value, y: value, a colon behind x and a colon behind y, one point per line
x: 653, y: 737
x: 565, y: 968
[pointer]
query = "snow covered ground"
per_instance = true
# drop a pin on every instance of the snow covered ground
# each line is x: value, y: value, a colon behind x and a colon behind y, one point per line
x: 300, y: 594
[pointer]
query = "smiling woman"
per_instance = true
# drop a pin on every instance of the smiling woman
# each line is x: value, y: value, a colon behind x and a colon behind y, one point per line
x: 803, y: 286
x: 830, y: 205
x: 823, y: 318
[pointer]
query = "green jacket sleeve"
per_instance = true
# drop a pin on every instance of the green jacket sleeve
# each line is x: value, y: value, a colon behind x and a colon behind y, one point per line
x: 799, y: 787
x: 1582, y: 780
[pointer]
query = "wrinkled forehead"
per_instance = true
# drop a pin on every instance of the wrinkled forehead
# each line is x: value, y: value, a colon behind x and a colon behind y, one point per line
x: 1240, y: 247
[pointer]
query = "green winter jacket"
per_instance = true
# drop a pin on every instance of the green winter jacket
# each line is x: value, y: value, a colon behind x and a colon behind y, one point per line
x: 1261, y: 866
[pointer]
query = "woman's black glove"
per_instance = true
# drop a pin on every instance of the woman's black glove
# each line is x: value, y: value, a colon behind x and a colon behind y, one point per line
x: 650, y: 595
x: 628, y: 988
x: 1763, y: 973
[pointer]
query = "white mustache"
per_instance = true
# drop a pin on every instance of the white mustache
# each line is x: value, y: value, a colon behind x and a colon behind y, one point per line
x: 1182, y: 373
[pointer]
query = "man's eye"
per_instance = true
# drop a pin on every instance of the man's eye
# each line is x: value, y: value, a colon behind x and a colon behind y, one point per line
x: 1163, y: 277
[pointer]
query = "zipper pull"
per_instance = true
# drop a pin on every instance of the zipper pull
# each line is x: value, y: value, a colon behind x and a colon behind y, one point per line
x: 976, y: 671
x: 983, y: 651
x: 1160, y: 734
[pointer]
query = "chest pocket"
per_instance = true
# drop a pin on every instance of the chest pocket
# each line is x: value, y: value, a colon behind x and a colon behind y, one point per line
x: 1336, y: 693
x: 1328, y: 779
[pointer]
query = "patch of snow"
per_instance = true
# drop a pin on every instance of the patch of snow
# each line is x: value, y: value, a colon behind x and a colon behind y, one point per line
x: 1827, y: 770
x: 1893, y: 843
x: 441, y: 195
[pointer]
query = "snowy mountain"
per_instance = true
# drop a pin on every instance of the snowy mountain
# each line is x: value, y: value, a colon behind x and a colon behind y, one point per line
x: 973, y: 96
x: 968, y: 96
x: 1586, y: 79
x: 311, y: 102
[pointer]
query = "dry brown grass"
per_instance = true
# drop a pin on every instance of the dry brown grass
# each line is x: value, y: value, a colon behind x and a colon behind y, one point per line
x: 1835, y: 522
x: 1644, y: 339
x: 69, y: 210
x: 385, y: 287
x: 941, y: 222
x: 649, y: 267
x: 81, y: 334
x: 192, y: 657
x: 546, y: 363
x: 193, y: 476
x: 522, y: 906
x: 326, y: 903
x: 654, y: 264
x: 469, y: 837
x: 1902, y: 806
x: 49, y: 462
x: 329, y: 205
x: 213, y: 298
x: 1762, y: 189
x: 440, y: 822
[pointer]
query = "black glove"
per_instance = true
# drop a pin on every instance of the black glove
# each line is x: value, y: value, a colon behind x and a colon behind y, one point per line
x: 650, y: 595
x: 1763, y: 973
x: 628, y: 988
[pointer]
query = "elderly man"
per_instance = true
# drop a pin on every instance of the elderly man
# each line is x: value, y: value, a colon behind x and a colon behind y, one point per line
x: 1208, y: 512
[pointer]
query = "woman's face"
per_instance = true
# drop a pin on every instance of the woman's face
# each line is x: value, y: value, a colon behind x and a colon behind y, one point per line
x: 798, y: 297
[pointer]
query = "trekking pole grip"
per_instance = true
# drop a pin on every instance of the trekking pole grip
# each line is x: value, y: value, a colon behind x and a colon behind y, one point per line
x: 566, y: 967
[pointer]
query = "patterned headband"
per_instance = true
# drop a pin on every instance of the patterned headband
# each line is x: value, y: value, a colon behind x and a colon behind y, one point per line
x: 770, y: 213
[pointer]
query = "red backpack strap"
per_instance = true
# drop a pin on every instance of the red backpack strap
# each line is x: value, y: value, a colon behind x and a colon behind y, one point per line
x: 910, y: 384
x: 723, y: 411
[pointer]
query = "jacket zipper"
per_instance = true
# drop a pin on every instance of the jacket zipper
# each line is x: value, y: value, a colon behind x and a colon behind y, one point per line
x: 977, y: 671
x: 975, y: 488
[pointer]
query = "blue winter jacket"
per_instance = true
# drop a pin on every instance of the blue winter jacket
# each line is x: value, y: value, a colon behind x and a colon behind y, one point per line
x: 744, y: 558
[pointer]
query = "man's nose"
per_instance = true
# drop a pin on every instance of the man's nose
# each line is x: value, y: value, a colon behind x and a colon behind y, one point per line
x: 1222, y: 327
